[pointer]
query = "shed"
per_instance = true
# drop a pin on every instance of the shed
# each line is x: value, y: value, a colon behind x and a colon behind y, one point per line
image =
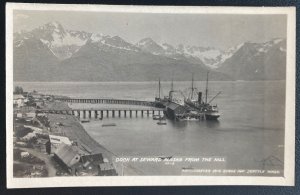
x: 55, y: 141
x: 30, y: 136
x: 19, y: 115
x: 106, y: 169
x: 18, y: 100
x: 42, y: 144
x: 174, y: 109
x: 89, y: 165
x: 95, y: 158
x: 31, y: 114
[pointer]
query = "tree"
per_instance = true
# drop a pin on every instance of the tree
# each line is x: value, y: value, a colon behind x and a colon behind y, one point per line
x: 18, y: 90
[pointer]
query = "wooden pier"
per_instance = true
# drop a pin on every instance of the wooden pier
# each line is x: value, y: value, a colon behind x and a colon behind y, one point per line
x: 106, y: 112
x: 109, y: 101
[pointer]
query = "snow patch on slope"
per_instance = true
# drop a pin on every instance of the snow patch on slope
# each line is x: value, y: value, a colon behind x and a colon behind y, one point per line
x: 96, y: 37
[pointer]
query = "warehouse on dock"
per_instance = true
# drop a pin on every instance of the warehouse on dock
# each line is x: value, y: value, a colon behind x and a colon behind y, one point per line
x: 174, y: 110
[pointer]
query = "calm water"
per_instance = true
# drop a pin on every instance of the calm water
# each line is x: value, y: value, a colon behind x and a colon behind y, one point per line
x: 250, y: 129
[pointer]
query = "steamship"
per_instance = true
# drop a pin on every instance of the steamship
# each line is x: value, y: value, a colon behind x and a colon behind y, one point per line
x: 189, y: 108
x: 210, y: 112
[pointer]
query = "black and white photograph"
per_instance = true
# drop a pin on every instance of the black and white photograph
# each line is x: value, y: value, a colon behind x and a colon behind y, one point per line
x: 102, y: 95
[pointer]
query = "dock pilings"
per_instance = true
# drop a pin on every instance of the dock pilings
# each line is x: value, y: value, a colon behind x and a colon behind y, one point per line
x: 85, y: 113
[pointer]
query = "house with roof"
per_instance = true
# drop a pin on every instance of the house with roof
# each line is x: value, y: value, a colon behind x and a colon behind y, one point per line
x: 107, y: 169
x: 67, y: 157
x: 55, y: 141
x: 18, y: 100
x: 82, y: 165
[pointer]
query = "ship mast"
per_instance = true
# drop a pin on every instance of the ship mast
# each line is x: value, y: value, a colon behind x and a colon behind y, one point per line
x: 172, y: 89
x: 192, y: 86
x: 206, y: 90
x: 159, y: 87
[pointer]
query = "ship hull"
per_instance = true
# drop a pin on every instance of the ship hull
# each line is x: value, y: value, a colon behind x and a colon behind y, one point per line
x: 170, y: 114
x: 211, y: 116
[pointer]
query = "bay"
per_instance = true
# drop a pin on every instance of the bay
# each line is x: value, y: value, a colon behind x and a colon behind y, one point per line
x: 249, y: 131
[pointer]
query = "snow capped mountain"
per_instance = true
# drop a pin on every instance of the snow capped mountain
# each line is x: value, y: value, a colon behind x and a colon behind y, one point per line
x: 224, y: 56
x: 265, y: 47
x: 209, y: 56
x: 169, y: 49
x: 51, y: 48
x: 148, y: 45
x: 106, y: 42
x: 256, y: 61
x: 246, y: 61
x: 62, y: 43
x: 96, y: 37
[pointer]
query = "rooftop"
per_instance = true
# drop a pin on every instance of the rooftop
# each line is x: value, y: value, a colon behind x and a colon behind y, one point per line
x: 18, y: 96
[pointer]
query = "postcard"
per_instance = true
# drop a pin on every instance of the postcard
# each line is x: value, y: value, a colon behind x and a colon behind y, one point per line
x: 106, y: 95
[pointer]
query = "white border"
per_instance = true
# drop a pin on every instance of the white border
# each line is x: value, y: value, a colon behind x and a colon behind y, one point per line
x: 289, y: 157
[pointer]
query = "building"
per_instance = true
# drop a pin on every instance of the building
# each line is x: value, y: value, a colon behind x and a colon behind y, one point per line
x: 55, y: 141
x: 82, y: 165
x: 39, y: 103
x: 67, y: 157
x: 106, y: 169
x: 42, y: 144
x: 30, y: 136
x: 93, y: 158
x: 31, y: 114
x: 19, y: 115
x: 18, y: 100
x: 89, y: 165
x: 95, y: 165
x: 174, y: 110
x: 36, y: 96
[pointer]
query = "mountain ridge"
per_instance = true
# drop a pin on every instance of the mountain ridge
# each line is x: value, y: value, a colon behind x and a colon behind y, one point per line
x: 66, y: 55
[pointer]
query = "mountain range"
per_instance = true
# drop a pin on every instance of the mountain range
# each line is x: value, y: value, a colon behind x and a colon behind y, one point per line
x: 53, y: 53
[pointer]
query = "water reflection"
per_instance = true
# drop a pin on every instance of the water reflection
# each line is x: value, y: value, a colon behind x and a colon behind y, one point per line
x: 178, y: 125
x: 212, y: 124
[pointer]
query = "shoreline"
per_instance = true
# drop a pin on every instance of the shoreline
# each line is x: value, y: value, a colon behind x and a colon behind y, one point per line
x: 72, y: 128
x: 75, y: 130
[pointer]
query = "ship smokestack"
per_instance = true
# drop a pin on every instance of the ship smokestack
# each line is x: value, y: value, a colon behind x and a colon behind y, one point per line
x: 200, y: 97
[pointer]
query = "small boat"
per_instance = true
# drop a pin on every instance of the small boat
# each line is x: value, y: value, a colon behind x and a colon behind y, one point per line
x: 190, y: 118
x: 158, y: 117
x: 85, y: 121
x: 109, y: 124
x: 160, y: 122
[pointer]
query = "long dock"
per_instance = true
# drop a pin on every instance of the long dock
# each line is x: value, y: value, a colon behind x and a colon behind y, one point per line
x: 109, y: 101
x: 105, y: 112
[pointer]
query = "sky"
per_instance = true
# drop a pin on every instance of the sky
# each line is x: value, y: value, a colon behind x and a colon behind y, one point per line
x: 207, y: 30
